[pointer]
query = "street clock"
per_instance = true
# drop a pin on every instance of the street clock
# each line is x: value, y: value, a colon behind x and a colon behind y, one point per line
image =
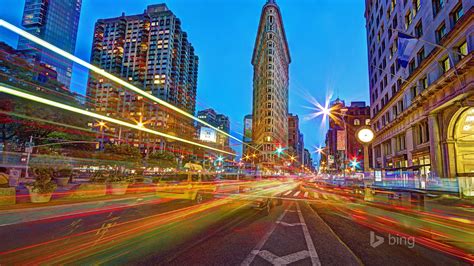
x: 365, y: 135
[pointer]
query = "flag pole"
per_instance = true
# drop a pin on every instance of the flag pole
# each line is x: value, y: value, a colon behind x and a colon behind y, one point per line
x: 441, y: 47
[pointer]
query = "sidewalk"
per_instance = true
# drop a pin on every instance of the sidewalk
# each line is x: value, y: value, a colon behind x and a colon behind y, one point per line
x: 61, y: 205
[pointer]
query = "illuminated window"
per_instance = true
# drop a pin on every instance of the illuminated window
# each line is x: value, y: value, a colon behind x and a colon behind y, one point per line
x: 446, y: 64
x: 356, y: 122
x: 463, y: 49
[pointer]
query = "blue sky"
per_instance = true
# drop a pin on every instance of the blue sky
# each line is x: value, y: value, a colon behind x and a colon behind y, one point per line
x: 326, y: 38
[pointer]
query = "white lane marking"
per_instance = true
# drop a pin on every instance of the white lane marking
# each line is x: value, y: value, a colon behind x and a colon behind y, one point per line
x: 287, y: 193
x: 262, y: 242
x: 306, y: 194
x: 288, y: 224
x: 309, y: 242
x: 290, y: 258
x: 297, y: 193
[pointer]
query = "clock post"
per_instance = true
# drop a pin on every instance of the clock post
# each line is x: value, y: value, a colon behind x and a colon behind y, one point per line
x: 365, y: 135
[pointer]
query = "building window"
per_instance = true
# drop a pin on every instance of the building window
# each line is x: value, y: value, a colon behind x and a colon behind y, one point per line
x: 437, y: 5
x: 420, y: 56
x: 424, y: 83
x: 408, y: 19
x: 356, y: 122
x: 413, y: 92
x: 419, y: 29
x: 411, y: 66
x: 462, y: 50
x: 440, y: 32
x: 367, y: 121
x: 446, y: 64
x: 416, y: 5
x: 457, y: 14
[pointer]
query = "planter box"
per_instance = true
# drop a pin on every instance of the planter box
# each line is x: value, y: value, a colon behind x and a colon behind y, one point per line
x: 7, y: 196
x: 90, y: 191
x: 62, y: 181
x: 118, y: 188
x: 40, y: 197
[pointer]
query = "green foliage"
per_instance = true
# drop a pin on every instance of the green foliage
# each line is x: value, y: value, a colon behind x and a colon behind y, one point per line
x: 122, y: 149
x: 100, y: 176
x: 43, y: 183
x: 63, y: 172
x: 163, y: 159
x: 165, y: 155
x: 119, y: 177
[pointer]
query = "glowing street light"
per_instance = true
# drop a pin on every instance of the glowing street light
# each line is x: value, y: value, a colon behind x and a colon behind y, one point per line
x: 354, y: 163
x: 279, y: 150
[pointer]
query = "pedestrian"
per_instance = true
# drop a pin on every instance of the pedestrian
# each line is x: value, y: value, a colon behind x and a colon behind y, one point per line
x: 4, y: 178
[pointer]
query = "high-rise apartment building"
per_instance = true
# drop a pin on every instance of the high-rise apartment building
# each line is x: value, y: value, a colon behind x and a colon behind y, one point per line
x: 151, y: 51
x: 56, y: 22
x: 271, y: 59
x: 422, y: 115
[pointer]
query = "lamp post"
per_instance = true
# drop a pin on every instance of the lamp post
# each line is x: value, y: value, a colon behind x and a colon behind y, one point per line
x: 343, y: 118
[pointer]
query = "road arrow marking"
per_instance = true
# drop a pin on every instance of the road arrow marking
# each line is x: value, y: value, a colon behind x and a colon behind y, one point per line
x: 262, y: 242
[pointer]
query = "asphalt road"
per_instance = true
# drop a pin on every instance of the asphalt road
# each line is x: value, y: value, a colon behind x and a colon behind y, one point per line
x: 303, y: 230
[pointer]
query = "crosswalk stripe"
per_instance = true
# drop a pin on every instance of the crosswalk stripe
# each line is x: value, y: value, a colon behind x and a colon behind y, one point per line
x: 287, y: 193
x: 306, y: 194
x: 316, y: 195
x: 297, y: 193
x: 325, y: 197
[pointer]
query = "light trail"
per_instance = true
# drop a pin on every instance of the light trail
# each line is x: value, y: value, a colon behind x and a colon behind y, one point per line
x: 104, y: 73
x: 103, y: 117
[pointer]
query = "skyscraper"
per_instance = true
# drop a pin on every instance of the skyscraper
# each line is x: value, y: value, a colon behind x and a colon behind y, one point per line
x: 55, y: 21
x: 295, y: 138
x: 219, y: 121
x: 421, y: 112
x: 270, y: 60
x: 151, y: 51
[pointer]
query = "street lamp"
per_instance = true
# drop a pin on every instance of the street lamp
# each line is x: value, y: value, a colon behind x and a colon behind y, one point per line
x: 101, y: 125
x: 279, y: 150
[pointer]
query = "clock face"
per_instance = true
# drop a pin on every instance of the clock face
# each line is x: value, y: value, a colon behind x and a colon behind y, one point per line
x: 365, y: 135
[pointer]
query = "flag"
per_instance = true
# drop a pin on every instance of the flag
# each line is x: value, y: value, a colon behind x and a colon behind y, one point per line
x: 406, y: 45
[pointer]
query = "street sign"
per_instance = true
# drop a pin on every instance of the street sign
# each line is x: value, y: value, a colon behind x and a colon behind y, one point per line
x: 29, y: 149
x: 341, y: 140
